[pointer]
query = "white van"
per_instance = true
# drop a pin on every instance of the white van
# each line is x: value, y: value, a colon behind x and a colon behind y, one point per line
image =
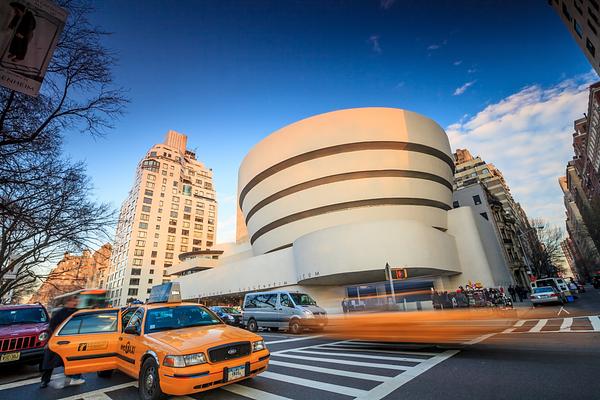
x: 559, y: 284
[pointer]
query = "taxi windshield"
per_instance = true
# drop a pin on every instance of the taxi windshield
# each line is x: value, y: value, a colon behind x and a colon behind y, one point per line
x: 168, y: 318
x: 23, y: 316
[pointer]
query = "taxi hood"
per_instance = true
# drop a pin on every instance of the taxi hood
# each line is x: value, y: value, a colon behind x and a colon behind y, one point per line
x: 200, y: 338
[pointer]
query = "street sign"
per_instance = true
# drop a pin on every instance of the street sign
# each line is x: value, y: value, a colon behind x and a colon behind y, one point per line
x: 29, y: 31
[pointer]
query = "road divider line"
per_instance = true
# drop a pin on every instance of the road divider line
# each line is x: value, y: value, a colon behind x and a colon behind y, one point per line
x: 538, y: 327
x: 98, y: 391
x: 331, y: 371
x: 566, y: 325
x: 595, y: 321
x: 294, y: 339
x: 371, y: 357
x: 252, y: 393
x: 26, y: 382
x: 381, y: 391
x: 345, y: 362
x: 329, y: 387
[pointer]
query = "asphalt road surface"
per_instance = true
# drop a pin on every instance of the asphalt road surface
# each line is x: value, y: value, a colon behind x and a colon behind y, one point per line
x: 551, y: 356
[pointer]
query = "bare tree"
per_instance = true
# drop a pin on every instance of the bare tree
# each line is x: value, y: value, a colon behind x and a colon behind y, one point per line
x: 547, y: 254
x: 45, y: 199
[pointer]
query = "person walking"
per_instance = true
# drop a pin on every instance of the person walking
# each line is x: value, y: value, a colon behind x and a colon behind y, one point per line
x: 512, y: 292
x: 345, y: 305
x: 520, y: 292
x: 53, y: 360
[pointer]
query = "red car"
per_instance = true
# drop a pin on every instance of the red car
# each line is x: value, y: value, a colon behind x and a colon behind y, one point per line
x: 23, y: 333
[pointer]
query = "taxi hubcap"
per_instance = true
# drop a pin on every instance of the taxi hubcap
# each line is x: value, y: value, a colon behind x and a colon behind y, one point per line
x: 150, y: 380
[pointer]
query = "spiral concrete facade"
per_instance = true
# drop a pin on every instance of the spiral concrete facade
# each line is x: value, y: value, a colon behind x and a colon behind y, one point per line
x: 341, y: 167
x: 329, y: 200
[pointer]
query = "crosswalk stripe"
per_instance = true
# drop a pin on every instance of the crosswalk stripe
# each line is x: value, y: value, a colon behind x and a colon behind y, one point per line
x: 370, y: 350
x: 346, y: 362
x: 294, y: 339
x: 566, y: 325
x: 595, y: 321
x: 538, y: 327
x: 331, y: 371
x: 517, y: 324
x: 97, y: 396
x: 26, y: 382
x: 371, y: 357
x: 251, y: 392
x: 329, y: 387
x: 103, y: 390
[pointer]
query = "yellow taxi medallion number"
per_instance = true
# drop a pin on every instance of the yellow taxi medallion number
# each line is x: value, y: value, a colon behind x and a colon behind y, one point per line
x: 8, y: 357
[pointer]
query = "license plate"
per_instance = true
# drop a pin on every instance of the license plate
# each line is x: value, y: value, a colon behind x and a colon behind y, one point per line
x: 236, y: 373
x: 10, y: 357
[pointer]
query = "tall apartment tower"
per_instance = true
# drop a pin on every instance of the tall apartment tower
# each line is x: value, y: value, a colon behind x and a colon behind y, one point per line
x: 170, y: 210
x: 582, y: 18
x: 517, y: 234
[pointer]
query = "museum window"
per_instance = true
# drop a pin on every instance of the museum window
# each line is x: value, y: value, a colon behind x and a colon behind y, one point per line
x: 476, y: 199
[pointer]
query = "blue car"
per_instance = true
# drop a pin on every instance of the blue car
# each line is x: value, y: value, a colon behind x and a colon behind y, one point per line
x: 230, y: 315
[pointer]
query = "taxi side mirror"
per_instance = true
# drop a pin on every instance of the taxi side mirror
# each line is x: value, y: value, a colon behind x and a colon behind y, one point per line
x: 132, y: 330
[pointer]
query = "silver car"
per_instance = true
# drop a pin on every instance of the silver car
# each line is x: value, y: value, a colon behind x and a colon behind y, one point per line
x: 276, y: 310
x: 545, y: 294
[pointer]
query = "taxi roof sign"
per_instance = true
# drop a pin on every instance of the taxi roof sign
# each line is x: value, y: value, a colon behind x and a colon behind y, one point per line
x: 165, y: 293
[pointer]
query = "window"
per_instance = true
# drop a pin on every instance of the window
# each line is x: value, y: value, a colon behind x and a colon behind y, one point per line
x: 150, y: 185
x: 150, y: 281
x: 151, y: 165
x: 187, y: 209
x: 147, y: 200
x: 158, y: 227
x: 132, y: 292
x: 143, y: 225
x: 590, y: 47
x: 566, y: 13
x: 174, y: 206
x: 146, y: 208
x: 142, y: 234
x: 152, y: 262
x: 187, y: 190
x: 261, y: 301
x: 138, y: 252
x: 577, y: 28
x: 134, y: 281
x: 156, y: 235
x: 93, y: 322
x: 144, y: 217
x: 476, y: 199
x: 187, y: 217
x: 211, y: 221
x: 151, y: 271
x: 171, y: 238
x: 175, y: 184
x: 169, y: 256
x: 170, y: 246
x: 173, y: 222
x: 197, y: 242
x: 184, y: 248
x: 173, y: 214
x: 140, y: 243
x: 198, y: 226
x: 185, y: 232
x: 484, y: 215
x: 151, y: 177
x: 590, y: 25
x: 154, y: 254
x: 184, y: 240
x: 286, y: 301
x: 155, y: 244
x: 186, y: 224
x: 172, y: 230
x: 136, y: 271
x: 188, y: 202
x: 136, y: 320
x: 455, y: 204
x: 175, y: 199
x: 591, y: 14
x: 148, y: 192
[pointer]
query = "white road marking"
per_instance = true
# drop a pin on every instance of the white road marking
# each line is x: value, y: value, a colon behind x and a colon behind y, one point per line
x: 371, y: 350
x: 517, y: 324
x: 25, y: 382
x: 538, y: 327
x: 99, y: 391
x: 96, y: 396
x: 479, y: 339
x: 571, y: 331
x: 371, y: 357
x: 251, y: 393
x: 294, y: 339
x: 566, y: 325
x: 346, y: 362
x: 332, y: 371
x: 329, y: 387
x: 595, y: 321
x: 391, y: 385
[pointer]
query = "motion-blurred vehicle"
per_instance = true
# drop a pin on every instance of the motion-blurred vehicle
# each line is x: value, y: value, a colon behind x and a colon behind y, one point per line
x: 282, y: 310
x: 171, y: 347
x: 560, y: 286
x: 545, y: 295
x: 23, y: 333
x: 596, y: 281
x: 86, y: 298
x: 230, y: 315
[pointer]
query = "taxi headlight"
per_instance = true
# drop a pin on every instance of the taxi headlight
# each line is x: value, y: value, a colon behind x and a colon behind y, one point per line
x: 258, y: 346
x: 43, y: 337
x: 184, y: 361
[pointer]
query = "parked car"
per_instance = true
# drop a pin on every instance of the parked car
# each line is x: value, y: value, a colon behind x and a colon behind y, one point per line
x: 282, y: 310
x: 23, y: 333
x: 559, y: 284
x: 230, y: 315
x: 544, y: 295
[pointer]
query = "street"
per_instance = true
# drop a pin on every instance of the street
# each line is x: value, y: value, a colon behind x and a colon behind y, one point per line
x: 554, y: 357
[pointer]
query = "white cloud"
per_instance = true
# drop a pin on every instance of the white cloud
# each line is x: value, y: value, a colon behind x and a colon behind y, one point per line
x: 457, y: 63
x: 387, y: 4
x: 433, y: 47
x: 460, y: 90
x: 471, y: 70
x: 527, y: 135
x: 374, y: 41
x: 226, y: 227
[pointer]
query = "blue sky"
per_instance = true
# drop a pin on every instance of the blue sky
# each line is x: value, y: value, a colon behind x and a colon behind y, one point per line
x: 228, y: 73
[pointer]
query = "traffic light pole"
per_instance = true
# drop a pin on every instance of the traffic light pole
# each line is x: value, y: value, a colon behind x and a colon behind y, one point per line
x: 388, y: 271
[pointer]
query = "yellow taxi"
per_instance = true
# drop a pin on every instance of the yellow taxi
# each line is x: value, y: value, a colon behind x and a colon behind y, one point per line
x: 170, y: 347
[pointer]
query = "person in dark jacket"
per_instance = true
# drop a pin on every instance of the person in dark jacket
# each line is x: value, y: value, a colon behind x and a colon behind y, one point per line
x: 51, y: 359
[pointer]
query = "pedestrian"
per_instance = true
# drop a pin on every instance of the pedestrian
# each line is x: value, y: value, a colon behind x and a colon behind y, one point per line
x: 520, y: 292
x: 512, y: 292
x: 345, y: 305
x: 53, y: 360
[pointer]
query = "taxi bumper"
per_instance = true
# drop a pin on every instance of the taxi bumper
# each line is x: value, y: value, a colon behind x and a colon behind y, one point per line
x: 182, y: 381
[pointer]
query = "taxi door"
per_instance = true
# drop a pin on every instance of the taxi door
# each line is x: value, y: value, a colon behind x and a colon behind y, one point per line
x: 130, y: 348
x: 87, y: 341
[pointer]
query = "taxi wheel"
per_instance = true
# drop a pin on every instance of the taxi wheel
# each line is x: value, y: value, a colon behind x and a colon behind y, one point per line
x: 295, y: 327
x: 252, y: 325
x: 149, y: 384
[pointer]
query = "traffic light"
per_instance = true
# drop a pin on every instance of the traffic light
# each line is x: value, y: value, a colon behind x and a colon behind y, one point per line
x: 399, y: 273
